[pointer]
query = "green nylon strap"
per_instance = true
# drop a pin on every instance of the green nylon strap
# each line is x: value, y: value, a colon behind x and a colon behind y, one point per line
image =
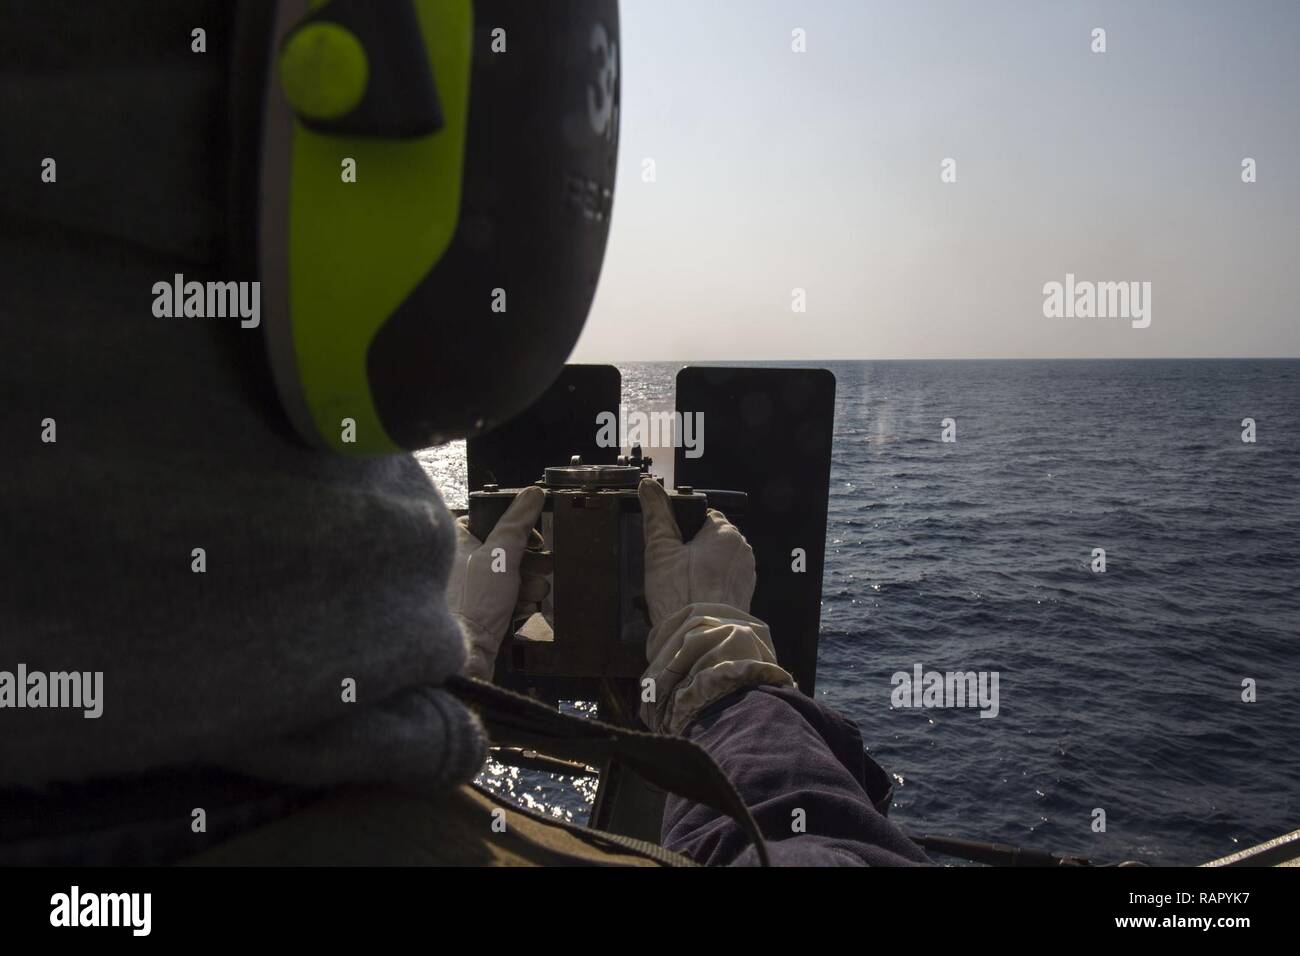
x: 602, y: 839
x: 674, y: 764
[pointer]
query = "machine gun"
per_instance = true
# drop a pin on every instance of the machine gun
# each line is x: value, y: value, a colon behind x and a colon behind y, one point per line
x: 766, y: 466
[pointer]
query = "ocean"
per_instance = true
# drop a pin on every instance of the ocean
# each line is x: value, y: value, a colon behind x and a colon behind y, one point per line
x: 1119, y: 691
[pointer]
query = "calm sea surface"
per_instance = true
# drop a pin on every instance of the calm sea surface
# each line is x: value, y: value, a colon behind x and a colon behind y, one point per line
x: 1120, y: 691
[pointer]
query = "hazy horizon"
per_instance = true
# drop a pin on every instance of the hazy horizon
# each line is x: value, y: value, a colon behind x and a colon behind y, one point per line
x: 776, y: 170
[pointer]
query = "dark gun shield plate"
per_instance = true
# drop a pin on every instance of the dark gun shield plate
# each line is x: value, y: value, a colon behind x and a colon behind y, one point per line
x: 560, y: 424
x: 768, y: 432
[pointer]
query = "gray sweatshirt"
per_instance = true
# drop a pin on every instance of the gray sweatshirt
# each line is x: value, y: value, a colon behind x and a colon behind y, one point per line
x: 319, y: 574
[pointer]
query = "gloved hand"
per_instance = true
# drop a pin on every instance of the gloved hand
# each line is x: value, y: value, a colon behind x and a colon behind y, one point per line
x: 703, y: 643
x: 484, y: 591
x: 717, y: 567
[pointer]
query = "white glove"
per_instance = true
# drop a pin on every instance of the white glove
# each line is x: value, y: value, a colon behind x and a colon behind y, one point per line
x: 717, y: 567
x: 484, y: 588
x: 703, y: 644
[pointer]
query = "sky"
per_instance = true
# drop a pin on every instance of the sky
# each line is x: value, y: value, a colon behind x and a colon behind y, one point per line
x: 776, y: 170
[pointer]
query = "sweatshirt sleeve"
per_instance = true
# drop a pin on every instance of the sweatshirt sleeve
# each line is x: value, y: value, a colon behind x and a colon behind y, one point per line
x: 802, y: 770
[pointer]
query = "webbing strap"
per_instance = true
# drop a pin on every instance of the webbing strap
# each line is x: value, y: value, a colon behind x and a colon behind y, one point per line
x: 674, y: 764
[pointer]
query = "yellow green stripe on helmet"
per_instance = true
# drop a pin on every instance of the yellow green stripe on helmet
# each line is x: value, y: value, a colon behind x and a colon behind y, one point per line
x: 356, y: 250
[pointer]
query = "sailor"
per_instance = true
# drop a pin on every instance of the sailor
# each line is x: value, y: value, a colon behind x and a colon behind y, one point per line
x: 281, y: 623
